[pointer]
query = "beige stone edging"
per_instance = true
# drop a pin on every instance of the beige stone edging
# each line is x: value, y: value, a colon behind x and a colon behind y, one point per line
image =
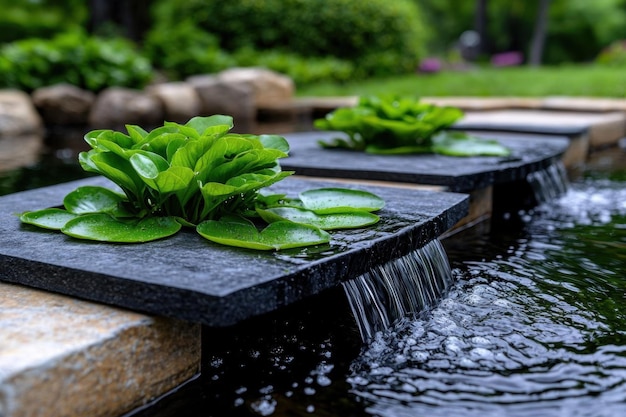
x: 61, y: 356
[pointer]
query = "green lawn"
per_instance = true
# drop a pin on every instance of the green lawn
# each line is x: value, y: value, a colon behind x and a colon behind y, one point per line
x: 591, y: 81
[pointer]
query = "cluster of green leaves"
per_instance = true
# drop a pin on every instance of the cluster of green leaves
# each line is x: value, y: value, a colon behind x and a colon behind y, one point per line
x: 199, y: 175
x: 195, y: 171
x: 403, y: 125
x: 351, y: 30
x: 73, y: 57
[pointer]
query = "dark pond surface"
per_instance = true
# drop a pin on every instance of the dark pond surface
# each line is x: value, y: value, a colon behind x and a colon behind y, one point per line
x: 535, y: 324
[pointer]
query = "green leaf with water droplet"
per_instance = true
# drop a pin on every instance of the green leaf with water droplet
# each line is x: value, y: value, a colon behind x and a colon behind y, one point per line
x: 463, y: 144
x: 340, y: 200
x: 331, y: 221
x: 276, y: 236
x: 92, y: 199
x: 105, y: 228
x: 157, y: 173
x: 51, y: 218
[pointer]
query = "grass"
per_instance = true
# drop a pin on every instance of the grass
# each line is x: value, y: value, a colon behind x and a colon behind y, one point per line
x: 589, y: 81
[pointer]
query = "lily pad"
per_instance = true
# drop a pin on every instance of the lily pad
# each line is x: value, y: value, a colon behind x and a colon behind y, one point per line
x: 331, y: 221
x: 51, y: 218
x: 92, y: 199
x: 464, y: 144
x: 276, y: 236
x: 105, y: 228
x: 340, y: 200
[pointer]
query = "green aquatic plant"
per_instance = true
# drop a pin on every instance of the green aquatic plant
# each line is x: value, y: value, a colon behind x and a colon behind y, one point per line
x: 397, y: 125
x: 197, y: 175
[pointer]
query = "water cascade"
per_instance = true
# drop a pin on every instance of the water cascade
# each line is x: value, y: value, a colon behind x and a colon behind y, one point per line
x: 398, y: 289
x: 548, y: 183
x: 533, y: 323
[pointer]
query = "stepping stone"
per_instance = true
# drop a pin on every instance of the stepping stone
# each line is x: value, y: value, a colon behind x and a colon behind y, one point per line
x: 190, y: 278
x: 602, y: 129
x: 584, y: 104
x: 61, y: 356
x: 456, y: 174
x: 476, y: 175
x: 486, y: 103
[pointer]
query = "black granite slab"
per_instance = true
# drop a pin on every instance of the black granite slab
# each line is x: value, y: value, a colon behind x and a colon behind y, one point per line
x: 188, y: 277
x: 568, y: 130
x: 530, y: 153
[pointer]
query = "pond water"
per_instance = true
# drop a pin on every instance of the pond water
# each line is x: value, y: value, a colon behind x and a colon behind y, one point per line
x: 534, y: 323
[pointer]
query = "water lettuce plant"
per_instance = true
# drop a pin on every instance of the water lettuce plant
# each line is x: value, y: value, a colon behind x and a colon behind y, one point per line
x: 402, y: 125
x: 199, y: 175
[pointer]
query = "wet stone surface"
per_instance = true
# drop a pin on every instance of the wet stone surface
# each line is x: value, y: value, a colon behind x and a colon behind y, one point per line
x: 537, y: 123
x: 530, y: 153
x: 190, y: 278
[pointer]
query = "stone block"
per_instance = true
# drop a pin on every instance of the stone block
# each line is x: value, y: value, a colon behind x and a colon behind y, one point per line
x: 18, y: 115
x: 269, y: 88
x: 66, y: 357
x: 603, y: 128
x: 117, y: 106
x: 188, y: 277
x: 584, y: 104
x: 220, y: 97
x: 486, y: 103
x: 63, y: 104
x: 529, y: 153
x: 180, y: 100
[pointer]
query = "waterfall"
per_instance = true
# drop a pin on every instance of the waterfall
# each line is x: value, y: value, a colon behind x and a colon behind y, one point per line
x: 398, y: 289
x: 548, y: 183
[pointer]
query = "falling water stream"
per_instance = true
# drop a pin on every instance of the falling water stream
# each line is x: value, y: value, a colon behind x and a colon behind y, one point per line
x: 548, y: 183
x: 399, y: 289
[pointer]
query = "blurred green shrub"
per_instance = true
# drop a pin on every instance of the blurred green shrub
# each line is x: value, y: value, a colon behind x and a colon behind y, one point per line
x: 39, y: 18
x: 76, y: 58
x: 361, y: 32
x: 301, y: 69
x: 183, y: 49
x: 613, y: 55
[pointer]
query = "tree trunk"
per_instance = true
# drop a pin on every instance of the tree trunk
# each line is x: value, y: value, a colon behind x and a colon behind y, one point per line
x: 132, y: 16
x: 539, y: 34
x: 480, y: 25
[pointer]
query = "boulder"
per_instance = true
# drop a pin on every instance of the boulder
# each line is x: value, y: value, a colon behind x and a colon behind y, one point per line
x: 179, y: 99
x: 18, y: 116
x: 63, y: 104
x: 223, y: 97
x: 269, y: 88
x: 117, y: 106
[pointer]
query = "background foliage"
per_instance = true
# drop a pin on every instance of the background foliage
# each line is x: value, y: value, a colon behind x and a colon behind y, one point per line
x: 377, y: 36
x: 74, y: 57
x: 310, y: 40
x: 39, y: 18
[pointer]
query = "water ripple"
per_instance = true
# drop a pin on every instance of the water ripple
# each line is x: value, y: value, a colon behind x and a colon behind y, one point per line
x: 538, y: 329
